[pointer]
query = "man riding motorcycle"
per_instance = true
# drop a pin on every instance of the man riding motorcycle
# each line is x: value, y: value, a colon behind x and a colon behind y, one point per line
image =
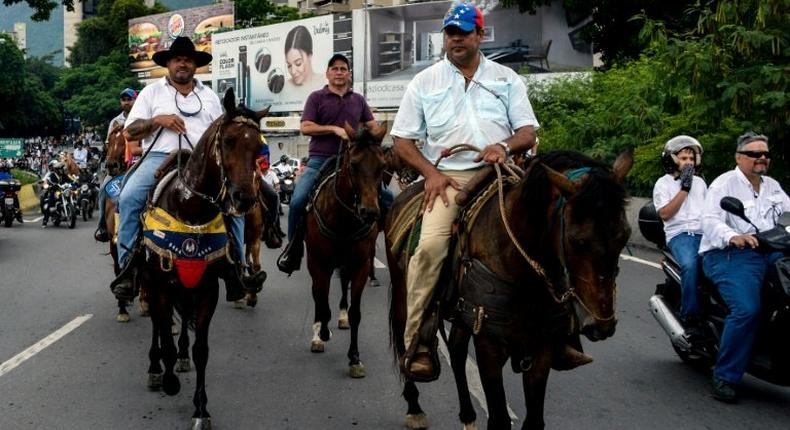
x: 730, y: 258
x: 55, y: 177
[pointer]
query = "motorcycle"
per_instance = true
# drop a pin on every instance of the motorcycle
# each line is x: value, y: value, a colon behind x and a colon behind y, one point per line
x: 9, y: 188
x: 286, y: 178
x: 59, y: 203
x: 88, y: 195
x: 770, y: 359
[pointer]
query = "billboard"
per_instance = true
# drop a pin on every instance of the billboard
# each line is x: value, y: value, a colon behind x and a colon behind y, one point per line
x: 11, y: 148
x: 152, y: 33
x: 279, y: 64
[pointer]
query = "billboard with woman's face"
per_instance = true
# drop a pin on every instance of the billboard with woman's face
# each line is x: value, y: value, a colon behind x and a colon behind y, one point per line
x: 277, y: 65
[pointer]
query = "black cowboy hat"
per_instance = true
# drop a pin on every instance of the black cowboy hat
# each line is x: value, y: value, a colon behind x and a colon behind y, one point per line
x: 182, y: 46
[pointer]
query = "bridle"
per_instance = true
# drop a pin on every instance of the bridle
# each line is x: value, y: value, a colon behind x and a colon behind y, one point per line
x: 223, y: 198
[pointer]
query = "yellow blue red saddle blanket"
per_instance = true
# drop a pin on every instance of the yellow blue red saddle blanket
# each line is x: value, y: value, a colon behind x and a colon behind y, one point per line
x: 191, y: 248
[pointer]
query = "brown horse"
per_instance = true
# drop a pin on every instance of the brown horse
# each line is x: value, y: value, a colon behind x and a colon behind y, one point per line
x: 258, y: 228
x: 548, y: 247
x: 116, y: 168
x: 341, y: 233
x: 217, y: 179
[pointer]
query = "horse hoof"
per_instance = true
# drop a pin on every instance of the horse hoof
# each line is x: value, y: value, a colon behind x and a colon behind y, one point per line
x: 201, y: 423
x: 252, y: 300
x: 183, y: 365
x: 342, y: 323
x: 317, y: 346
x: 356, y: 370
x: 154, y: 381
x: 122, y: 318
x: 171, y: 385
x: 240, y: 304
x: 144, y: 309
x: 470, y: 426
x: 416, y: 421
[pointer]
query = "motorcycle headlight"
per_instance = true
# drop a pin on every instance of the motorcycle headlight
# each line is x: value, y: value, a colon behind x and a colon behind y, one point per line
x: 288, y: 182
x: 45, y: 186
x: 84, y: 187
x: 57, y: 193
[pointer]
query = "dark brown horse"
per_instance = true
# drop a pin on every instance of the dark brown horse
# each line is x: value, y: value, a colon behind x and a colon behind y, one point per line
x: 566, y: 226
x: 341, y: 233
x: 217, y: 179
x: 116, y: 166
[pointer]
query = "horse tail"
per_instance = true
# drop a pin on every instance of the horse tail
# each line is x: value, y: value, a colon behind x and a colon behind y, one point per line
x: 397, y: 309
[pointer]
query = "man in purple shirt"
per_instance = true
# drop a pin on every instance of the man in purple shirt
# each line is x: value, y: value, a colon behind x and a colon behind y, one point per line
x: 325, y: 112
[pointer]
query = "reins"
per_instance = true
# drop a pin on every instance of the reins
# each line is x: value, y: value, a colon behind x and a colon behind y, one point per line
x: 570, y: 292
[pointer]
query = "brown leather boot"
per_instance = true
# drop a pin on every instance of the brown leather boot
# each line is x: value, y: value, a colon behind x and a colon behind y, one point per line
x: 567, y: 357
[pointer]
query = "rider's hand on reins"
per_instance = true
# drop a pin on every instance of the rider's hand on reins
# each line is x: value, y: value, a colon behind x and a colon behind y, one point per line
x: 341, y: 133
x: 493, y: 154
x: 436, y: 186
x: 172, y: 122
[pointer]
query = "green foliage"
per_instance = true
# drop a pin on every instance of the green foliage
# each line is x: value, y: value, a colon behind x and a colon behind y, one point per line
x: 91, y: 90
x: 42, y: 9
x: 24, y: 177
x: 728, y: 77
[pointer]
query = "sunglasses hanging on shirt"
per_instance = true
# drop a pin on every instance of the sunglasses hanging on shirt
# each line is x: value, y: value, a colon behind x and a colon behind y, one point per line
x: 188, y: 114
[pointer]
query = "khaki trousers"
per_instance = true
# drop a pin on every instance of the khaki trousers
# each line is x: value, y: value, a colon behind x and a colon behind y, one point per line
x: 426, y: 263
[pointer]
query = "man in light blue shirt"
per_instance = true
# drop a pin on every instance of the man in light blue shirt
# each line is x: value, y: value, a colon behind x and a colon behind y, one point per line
x: 465, y: 98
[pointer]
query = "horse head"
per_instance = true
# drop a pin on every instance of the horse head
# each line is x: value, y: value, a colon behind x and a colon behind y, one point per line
x: 590, y: 231
x: 364, y: 163
x: 238, y: 144
x: 116, y: 151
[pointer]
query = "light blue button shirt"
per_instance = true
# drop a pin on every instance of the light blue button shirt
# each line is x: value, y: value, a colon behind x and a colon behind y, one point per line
x: 436, y: 107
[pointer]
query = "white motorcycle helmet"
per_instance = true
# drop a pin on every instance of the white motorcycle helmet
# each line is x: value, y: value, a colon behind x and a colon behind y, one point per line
x: 669, y: 158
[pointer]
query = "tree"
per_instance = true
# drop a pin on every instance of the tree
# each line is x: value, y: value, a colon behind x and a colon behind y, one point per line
x: 42, y: 8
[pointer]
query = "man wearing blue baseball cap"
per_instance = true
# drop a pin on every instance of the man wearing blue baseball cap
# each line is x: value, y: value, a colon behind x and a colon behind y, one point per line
x: 127, y: 97
x: 464, y: 98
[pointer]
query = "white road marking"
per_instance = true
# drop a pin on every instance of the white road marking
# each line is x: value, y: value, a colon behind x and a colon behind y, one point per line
x: 39, y: 346
x: 37, y: 219
x: 640, y: 261
x: 473, y: 381
x: 378, y: 264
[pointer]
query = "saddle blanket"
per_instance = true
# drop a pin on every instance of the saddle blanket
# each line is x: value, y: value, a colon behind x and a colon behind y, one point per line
x: 113, y: 188
x: 191, y: 248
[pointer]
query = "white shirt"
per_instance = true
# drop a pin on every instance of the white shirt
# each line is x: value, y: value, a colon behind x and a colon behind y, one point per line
x: 436, y: 107
x: 159, y: 98
x: 688, y: 219
x: 271, y: 178
x: 763, y: 209
x: 81, y: 157
x: 120, y: 119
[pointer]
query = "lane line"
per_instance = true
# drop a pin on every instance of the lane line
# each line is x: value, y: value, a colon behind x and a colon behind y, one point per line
x: 378, y: 264
x: 39, y: 346
x: 640, y: 261
x: 37, y: 219
x: 473, y: 381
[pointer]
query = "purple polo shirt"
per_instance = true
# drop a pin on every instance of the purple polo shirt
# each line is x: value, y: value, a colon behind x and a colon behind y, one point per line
x: 324, y: 107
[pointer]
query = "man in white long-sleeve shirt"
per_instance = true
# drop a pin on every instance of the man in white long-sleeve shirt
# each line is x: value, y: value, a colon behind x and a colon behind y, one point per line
x: 730, y: 258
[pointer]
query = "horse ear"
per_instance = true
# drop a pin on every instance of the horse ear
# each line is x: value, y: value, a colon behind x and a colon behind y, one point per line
x: 262, y: 114
x: 622, y: 165
x: 229, y: 102
x: 381, y: 131
x: 565, y: 185
x: 352, y: 135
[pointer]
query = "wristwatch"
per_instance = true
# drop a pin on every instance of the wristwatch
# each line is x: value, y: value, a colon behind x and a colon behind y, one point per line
x: 506, y: 146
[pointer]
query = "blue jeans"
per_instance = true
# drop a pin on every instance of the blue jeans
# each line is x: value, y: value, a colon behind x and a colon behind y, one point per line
x: 302, y: 193
x: 133, y: 198
x: 305, y: 185
x: 685, y: 248
x: 738, y: 274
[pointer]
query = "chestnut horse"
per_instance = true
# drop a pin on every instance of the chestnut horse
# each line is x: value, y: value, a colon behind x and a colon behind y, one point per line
x: 257, y: 229
x: 549, y: 241
x: 341, y: 233
x: 217, y: 179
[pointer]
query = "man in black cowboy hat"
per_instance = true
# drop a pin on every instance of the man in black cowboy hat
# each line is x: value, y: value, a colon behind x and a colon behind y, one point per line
x: 178, y: 105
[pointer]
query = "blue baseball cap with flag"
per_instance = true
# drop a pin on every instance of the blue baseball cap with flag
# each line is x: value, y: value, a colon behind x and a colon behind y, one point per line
x: 128, y: 92
x: 465, y: 16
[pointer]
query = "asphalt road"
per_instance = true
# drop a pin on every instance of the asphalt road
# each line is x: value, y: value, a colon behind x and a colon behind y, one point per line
x: 261, y: 374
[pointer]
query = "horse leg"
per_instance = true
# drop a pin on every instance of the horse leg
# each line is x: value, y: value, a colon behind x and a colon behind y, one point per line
x: 373, y: 281
x: 154, y: 355
x: 123, y: 314
x: 254, y: 260
x: 144, y: 308
x: 164, y: 312
x: 356, y: 368
x: 345, y: 279
x: 534, y: 381
x: 491, y: 356
x: 183, y: 363
x: 415, y: 417
x: 321, y: 278
x: 459, y: 350
x: 206, y: 305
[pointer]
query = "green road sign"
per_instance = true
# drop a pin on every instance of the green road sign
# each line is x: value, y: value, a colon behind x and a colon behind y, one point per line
x: 11, y: 148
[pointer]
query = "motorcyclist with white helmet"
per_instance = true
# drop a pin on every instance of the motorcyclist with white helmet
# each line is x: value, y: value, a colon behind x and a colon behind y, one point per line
x: 679, y: 197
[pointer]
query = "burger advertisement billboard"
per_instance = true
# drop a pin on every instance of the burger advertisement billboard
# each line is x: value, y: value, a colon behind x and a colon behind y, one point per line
x: 153, y: 33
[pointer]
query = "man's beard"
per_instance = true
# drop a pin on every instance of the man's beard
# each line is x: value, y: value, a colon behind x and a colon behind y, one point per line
x: 182, y: 81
